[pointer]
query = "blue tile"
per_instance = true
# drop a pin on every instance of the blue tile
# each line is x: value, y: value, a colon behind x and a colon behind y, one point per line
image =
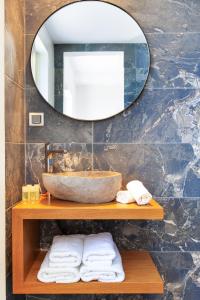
x: 164, y: 168
x: 165, y: 16
x: 175, y: 60
x: 57, y: 128
x: 158, y: 116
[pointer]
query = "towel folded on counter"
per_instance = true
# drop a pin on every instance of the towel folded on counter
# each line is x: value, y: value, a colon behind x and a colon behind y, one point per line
x: 139, y: 192
x: 124, y: 197
x: 59, y: 275
x: 66, y: 249
x: 99, y: 249
x: 103, y: 272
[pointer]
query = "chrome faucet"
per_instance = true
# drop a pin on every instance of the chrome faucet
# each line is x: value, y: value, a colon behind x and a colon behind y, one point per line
x: 49, y: 157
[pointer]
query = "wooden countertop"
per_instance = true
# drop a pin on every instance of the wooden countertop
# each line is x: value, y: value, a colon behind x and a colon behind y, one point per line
x: 59, y: 209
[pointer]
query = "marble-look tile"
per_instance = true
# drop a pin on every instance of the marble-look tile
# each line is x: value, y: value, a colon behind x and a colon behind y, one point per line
x: 15, y: 172
x: 179, y: 45
x: 179, y: 231
x: 152, y: 15
x: 166, y: 169
x: 49, y: 229
x: 14, y: 112
x: 35, y: 163
x: 125, y: 158
x: 77, y: 157
x: 174, y: 73
x: 57, y: 128
x: 175, y: 60
x: 172, y: 170
x: 181, y: 274
x: 159, y: 116
x: 14, y: 40
x: 37, y: 12
x: 163, y: 16
x: 53, y: 228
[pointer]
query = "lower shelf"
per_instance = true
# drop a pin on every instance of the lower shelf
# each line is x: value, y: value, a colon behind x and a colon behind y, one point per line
x: 142, y: 277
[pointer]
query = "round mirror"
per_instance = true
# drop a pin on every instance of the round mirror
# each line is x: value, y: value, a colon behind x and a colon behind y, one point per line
x: 90, y: 60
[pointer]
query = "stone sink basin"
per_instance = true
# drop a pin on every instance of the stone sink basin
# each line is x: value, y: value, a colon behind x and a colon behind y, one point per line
x: 83, y: 186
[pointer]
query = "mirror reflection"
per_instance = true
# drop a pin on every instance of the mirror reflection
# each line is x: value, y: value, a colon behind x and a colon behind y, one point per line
x: 90, y: 60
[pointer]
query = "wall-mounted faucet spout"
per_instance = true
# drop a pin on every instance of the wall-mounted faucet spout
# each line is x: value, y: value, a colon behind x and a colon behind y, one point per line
x: 49, y: 157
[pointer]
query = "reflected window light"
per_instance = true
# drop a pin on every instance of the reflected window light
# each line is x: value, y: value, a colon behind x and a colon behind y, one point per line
x: 39, y: 64
x: 95, y: 79
x: 67, y: 102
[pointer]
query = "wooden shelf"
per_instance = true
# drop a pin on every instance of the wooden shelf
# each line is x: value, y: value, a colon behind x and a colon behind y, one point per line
x: 58, y: 209
x: 141, y: 274
x: 142, y: 277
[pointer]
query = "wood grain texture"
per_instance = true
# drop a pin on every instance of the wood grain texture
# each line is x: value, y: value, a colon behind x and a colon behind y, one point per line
x: 14, y: 40
x: 58, y: 209
x: 31, y: 240
x: 25, y: 246
x: 142, y: 277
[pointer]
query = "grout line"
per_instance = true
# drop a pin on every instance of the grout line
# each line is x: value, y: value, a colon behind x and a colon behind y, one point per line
x: 14, y: 143
x: 14, y: 82
x: 9, y: 208
x: 109, y: 143
x: 147, y: 33
x: 137, y: 143
x: 145, y: 88
x: 172, y: 33
x: 39, y: 143
x: 171, y: 251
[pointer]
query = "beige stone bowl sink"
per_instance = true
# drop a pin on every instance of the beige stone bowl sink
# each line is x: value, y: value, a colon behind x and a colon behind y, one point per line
x: 84, y: 186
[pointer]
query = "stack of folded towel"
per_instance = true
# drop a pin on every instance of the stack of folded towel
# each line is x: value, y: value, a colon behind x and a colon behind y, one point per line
x: 101, y: 259
x: 62, y: 261
x: 136, y: 192
x: 75, y: 257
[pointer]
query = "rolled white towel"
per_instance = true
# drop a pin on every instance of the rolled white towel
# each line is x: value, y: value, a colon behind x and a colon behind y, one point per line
x: 139, y: 192
x: 98, y: 248
x: 58, y: 275
x: 66, y: 249
x: 103, y: 272
x: 124, y: 197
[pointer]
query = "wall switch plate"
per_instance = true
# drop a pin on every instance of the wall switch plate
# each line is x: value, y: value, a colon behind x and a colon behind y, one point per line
x: 36, y: 119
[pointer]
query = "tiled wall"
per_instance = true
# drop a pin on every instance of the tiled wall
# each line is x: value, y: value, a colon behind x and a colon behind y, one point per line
x: 156, y: 140
x: 136, y: 65
x: 14, y: 116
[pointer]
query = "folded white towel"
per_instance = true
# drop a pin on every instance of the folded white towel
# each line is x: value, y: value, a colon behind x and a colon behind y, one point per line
x: 66, y: 249
x: 103, y: 272
x: 58, y: 275
x: 98, y: 248
x: 124, y: 197
x: 139, y: 192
